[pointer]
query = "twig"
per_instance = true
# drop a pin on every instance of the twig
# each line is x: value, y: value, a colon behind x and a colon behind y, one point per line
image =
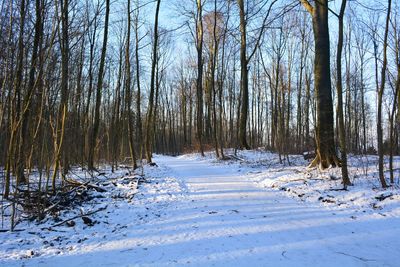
x: 338, y: 189
x: 87, y: 184
x: 51, y: 207
x: 356, y: 257
x: 9, y: 230
x: 73, y: 218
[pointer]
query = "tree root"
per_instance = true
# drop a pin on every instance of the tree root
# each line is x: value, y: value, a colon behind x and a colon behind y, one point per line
x: 330, y: 160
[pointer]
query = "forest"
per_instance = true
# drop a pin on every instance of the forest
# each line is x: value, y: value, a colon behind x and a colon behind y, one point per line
x: 92, y: 88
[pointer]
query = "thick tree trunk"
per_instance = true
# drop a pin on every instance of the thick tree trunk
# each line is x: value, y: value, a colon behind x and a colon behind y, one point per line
x: 199, y: 83
x: 244, y: 79
x: 326, y: 154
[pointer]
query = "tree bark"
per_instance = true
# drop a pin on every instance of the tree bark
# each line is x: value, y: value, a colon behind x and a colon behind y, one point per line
x: 96, y: 124
x: 63, y: 108
x: 380, y: 96
x: 244, y: 78
x: 149, y: 119
x: 326, y: 154
x: 14, y: 104
x: 199, y: 82
x: 27, y: 104
x: 342, y: 135
x: 138, y: 97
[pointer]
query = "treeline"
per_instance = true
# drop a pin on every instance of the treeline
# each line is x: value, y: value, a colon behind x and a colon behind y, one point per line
x: 85, y: 82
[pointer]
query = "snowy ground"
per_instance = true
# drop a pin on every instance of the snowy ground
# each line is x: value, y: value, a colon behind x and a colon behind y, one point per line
x: 204, y: 212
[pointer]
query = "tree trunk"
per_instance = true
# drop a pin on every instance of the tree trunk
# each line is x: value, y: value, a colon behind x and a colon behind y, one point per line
x: 14, y: 104
x: 138, y: 97
x: 27, y: 105
x: 199, y: 83
x: 326, y: 154
x: 128, y: 89
x: 244, y: 79
x: 63, y: 108
x: 149, y: 119
x: 96, y: 123
x: 380, y: 96
x: 342, y: 136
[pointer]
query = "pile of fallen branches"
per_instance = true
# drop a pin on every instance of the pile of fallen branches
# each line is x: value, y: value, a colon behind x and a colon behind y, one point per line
x: 35, y: 204
x: 73, y: 193
x: 39, y: 203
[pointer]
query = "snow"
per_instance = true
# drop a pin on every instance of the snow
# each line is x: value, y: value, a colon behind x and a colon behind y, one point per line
x: 204, y: 212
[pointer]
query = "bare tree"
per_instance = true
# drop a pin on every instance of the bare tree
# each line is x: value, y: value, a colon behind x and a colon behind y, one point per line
x: 380, y: 96
x: 128, y: 90
x: 199, y: 81
x: 150, y: 112
x: 63, y: 108
x: 244, y: 71
x: 342, y: 135
x: 96, y: 124
x: 326, y: 153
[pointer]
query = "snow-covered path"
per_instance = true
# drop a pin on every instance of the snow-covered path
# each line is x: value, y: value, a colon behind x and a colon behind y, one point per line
x: 228, y: 220
x: 217, y: 216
